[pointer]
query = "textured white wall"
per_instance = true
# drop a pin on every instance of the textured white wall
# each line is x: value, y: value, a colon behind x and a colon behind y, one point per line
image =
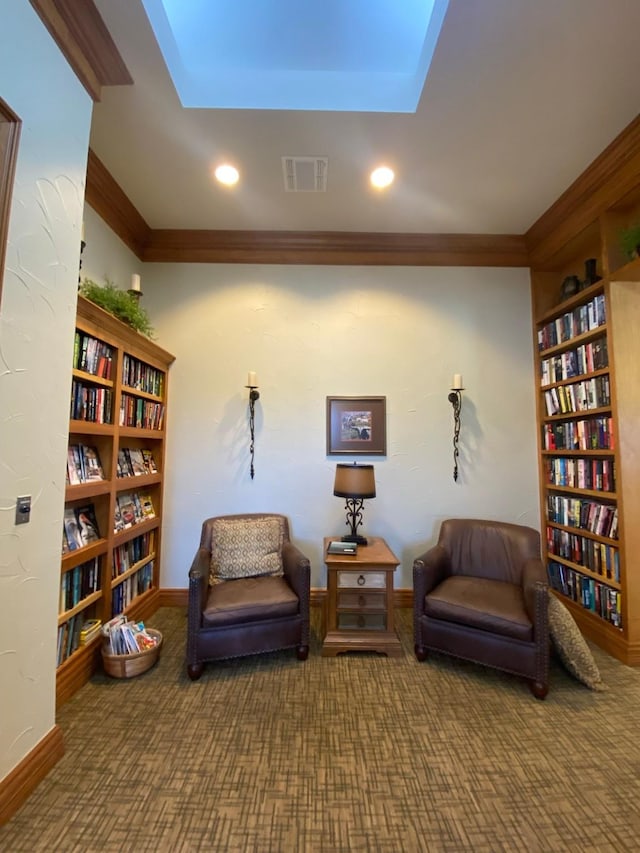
x: 36, y: 339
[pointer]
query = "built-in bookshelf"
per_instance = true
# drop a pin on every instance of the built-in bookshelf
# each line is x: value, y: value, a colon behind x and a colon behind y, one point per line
x: 586, y: 305
x: 111, y: 537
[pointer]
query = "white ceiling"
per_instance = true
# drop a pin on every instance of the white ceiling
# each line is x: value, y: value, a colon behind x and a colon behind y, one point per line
x: 522, y: 95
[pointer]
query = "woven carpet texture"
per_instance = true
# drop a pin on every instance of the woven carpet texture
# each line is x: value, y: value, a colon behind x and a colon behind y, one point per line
x: 355, y: 753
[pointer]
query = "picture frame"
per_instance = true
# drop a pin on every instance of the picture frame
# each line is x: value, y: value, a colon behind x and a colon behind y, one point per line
x: 357, y: 426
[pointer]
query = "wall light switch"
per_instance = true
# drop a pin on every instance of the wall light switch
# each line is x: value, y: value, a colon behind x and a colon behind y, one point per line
x: 23, y: 509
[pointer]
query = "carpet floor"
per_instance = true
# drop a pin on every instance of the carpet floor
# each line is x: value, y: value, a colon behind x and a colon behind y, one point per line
x: 355, y: 753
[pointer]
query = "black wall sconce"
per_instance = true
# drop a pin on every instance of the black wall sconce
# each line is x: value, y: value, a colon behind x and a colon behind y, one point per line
x: 254, y: 394
x: 455, y: 398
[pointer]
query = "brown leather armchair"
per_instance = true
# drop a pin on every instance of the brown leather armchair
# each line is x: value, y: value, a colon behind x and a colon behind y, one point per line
x: 254, y: 613
x: 481, y: 594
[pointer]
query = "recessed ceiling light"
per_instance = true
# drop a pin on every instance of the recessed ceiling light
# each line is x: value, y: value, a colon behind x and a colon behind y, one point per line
x: 382, y: 177
x: 227, y: 174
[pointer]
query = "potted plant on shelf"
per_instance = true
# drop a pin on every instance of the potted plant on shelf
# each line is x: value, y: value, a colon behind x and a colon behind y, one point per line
x: 118, y: 302
x: 630, y: 241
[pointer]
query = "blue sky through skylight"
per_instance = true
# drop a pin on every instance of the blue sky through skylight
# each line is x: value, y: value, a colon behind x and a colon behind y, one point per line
x: 357, y: 55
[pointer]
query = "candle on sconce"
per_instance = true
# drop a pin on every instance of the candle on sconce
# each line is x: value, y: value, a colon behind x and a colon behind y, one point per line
x: 456, y: 385
x: 252, y: 379
x: 135, y: 283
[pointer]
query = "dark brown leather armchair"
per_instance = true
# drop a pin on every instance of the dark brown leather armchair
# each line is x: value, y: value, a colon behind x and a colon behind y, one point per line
x: 481, y: 594
x: 250, y: 614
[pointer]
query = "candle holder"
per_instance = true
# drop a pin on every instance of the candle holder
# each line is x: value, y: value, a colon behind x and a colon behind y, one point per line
x: 455, y: 398
x: 254, y: 396
x: 135, y: 290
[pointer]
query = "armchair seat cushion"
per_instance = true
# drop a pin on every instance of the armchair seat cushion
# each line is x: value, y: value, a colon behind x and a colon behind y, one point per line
x: 488, y: 605
x: 249, y: 600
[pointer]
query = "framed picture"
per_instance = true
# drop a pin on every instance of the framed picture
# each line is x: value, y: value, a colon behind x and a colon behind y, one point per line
x: 357, y: 426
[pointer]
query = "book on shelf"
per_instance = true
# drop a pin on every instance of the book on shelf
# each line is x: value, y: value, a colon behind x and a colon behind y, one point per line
x: 137, y: 461
x: 72, y: 530
x: 149, y: 461
x: 87, y: 524
x: 73, y: 474
x: 127, y: 510
x: 91, y: 463
x: 148, y: 510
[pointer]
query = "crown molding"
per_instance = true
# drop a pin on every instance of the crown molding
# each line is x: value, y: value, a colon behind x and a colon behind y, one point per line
x: 81, y: 35
x: 613, y: 174
x: 109, y: 201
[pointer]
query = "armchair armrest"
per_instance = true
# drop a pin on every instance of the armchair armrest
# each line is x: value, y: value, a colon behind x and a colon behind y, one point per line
x: 199, y: 583
x: 429, y: 569
x: 536, y: 594
x: 297, y: 571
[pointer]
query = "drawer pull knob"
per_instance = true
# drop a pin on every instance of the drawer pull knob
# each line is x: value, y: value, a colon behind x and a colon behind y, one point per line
x: 361, y: 580
x: 361, y: 621
x: 362, y: 600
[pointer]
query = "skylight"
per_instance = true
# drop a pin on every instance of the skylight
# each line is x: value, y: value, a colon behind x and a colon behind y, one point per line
x: 356, y: 55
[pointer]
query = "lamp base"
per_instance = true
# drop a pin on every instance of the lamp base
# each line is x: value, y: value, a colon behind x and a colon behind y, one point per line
x: 361, y: 540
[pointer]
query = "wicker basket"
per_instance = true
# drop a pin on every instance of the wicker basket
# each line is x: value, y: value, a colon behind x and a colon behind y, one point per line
x: 127, y: 666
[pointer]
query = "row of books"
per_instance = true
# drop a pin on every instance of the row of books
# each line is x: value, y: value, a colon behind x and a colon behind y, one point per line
x: 90, y: 403
x: 576, y: 362
x: 599, y: 557
x: 584, y: 318
x: 590, y: 434
x: 140, y: 413
x: 579, y: 473
x: 80, y: 527
x: 76, y: 632
x: 92, y: 356
x: 594, y: 393
x: 136, y: 374
x: 590, y: 593
x: 598, y: 518
x: 83, y: 464
x: 78, y: 583
x: 131, y: 509
x: 124, y: 593
x: 127, y: 555
x: 134, y: 462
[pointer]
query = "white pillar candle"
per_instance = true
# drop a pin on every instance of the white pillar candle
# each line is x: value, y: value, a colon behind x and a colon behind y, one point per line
x: 82, y: 233
x: 135, y: 282
x: 457, y: 382
x: 252, y: 380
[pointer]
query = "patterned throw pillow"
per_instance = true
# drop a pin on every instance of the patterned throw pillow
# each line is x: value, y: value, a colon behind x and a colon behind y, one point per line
x: 571, y: 646
x: 246, y: 548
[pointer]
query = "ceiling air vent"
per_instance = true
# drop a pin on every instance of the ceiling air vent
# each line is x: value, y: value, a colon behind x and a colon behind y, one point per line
x: 305, y: 174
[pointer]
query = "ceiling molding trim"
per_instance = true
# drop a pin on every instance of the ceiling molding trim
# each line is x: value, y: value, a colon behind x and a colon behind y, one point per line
x: 335, y: 247
x: 613, y: 174
x: 82, y: 36
x: 109, y: 201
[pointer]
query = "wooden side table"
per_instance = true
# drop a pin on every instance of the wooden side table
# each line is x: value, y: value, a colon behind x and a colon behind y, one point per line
x: 360, y: 600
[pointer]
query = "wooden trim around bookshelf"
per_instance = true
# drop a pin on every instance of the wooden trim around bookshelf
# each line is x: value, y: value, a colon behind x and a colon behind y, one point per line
x: 614, y: 173
x: 85, y: 42
x: 27, y: 775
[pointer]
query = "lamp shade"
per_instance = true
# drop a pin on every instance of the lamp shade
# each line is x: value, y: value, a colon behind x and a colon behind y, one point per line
x: 354, y: 481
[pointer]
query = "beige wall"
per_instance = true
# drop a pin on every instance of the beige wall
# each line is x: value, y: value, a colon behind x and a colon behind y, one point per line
x: 310, y: 332
x: 36, y: 338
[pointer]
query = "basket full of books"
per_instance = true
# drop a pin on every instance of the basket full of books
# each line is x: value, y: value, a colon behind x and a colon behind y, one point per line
x: 128, y: 648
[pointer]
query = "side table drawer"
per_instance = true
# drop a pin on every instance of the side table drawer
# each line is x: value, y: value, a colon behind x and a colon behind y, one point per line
x: 362, y: 580
x: 362, y: 622
x: 354, y: 599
